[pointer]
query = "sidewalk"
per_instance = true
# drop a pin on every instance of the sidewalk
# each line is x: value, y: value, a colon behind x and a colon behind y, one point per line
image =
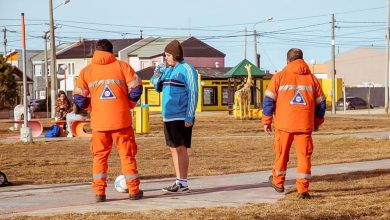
x: 212, y: 191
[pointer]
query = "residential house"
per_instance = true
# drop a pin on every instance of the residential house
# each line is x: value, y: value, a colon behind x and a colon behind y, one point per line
x: 150, y: 52
x: 15, y: 58
x: 79, y: 55
x: 39, y: 74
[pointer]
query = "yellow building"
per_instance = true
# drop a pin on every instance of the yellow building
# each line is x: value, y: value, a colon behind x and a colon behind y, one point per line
x: 214, y: 92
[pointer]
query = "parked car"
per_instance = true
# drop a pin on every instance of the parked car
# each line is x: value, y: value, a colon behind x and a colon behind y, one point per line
x: 352, y: 103
x: 38, y: 105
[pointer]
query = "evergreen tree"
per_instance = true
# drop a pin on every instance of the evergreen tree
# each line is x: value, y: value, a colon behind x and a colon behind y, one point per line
x: 8, y: 85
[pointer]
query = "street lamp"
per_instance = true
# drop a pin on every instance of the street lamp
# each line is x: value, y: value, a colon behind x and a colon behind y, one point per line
x: 313, y: 62
x: 255, y: 37
x: 53, y: 75
x: 45, y: 37
x: 64, y: 68
x: 63, y: 3
x: 257, y: 61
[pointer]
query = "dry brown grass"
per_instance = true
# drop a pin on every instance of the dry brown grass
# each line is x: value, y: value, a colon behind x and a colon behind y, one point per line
x: 70, y: 161
x: 217, y: 149
x: 221, y: 124
x: 358, y: 195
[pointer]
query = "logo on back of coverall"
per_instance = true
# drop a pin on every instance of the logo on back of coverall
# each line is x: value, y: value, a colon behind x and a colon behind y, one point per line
x: 298, y: 99
x: 107, y: 93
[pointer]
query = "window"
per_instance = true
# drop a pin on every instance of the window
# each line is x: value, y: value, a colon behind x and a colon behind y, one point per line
x: 152, y: 97
x: 37, y: 69
x: 210, y: 95
x: 60, y: 69
x: 144, y: 64
x: 48, y: 70
x: 69, y: 70
x: 225, y: 95
x: 42, y: 94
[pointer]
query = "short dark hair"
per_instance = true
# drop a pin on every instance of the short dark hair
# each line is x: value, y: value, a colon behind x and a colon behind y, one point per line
x: 104, y: 45
x: 294, y: 54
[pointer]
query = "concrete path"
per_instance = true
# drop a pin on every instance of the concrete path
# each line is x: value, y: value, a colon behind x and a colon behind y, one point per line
x: 212, y: 191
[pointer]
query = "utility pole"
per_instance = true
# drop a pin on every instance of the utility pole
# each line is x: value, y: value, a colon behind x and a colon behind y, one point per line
x: 45, y: 37
x: 255, y: 42
x: 245, y: 41
x: 5, y: 42
x: 53, y: 72
x: 333, y: 68
x: 25, y: 131
x: 387, y: 59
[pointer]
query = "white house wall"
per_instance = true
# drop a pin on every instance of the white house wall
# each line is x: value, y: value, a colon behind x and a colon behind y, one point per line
x: 135, y: 63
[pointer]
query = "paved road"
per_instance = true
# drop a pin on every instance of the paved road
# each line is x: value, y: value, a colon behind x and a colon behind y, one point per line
x: 212, y: 191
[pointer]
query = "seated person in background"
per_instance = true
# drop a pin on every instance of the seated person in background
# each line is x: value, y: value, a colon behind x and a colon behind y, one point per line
x: 62, y: 105
x: 76, y: 114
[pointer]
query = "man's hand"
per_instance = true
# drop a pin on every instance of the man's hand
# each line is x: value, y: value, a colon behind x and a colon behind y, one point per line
x: 188, y: 124
x: 268, y: 129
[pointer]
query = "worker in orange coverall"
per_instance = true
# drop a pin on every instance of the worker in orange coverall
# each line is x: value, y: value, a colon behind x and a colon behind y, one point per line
x: 114, y: 89
x: 295, y: 99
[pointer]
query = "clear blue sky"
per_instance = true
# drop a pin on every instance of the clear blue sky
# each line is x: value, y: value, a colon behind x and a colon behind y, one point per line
x: 220, y: 23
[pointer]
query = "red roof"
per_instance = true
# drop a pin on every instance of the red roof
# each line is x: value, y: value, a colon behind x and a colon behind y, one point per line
x: 193, y: 47
x: 86, y: 48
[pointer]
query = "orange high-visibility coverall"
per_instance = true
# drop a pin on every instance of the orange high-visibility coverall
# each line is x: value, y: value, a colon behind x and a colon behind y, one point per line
x: 296, y: 100
x: 109, y: 83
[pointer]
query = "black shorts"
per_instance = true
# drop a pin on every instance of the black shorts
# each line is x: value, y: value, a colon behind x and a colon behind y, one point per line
x: 176, y: 134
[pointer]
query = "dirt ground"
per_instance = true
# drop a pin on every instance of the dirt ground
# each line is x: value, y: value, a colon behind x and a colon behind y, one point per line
x: 221, y: 145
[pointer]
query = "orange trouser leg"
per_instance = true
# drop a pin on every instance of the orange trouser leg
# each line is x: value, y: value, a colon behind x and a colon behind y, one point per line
x: 127, y: 149
x: 304, y: 149
x: 282, y: 145
x: 100, y: 147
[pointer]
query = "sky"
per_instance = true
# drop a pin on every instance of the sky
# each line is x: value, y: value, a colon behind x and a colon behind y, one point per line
x: 304, y: 24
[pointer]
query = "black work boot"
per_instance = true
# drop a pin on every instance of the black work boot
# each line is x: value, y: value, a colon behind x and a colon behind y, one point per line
x: 101, y: 198
x: 277, y: 189
x: 137, y: 196
x: 304, y: 195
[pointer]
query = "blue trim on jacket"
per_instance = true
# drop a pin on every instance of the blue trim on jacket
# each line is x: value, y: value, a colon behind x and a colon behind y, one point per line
x: 268, y: 106
x: 320, y: 110
x: 81, y: 101
x: 135, y: 93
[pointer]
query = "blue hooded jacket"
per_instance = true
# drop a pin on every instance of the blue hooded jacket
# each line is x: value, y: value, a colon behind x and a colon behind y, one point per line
x: 179, y: 85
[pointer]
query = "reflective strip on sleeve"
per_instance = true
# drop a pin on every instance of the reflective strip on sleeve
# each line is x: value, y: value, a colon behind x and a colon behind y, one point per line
x: 320, y: 99
x: 296, y: 87
x: 100, y: 176
x: 105, y: 82
x: 132, y: 177
x: 81, y: 91
x: 133, y: 83
x: 280, y: 172
x: 270, y: 94
x: 303, y: 175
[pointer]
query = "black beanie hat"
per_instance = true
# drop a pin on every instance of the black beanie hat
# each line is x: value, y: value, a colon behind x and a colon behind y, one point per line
x: 175, y: 49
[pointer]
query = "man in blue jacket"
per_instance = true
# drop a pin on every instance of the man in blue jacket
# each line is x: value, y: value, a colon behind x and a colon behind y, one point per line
x: 179, y: 84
